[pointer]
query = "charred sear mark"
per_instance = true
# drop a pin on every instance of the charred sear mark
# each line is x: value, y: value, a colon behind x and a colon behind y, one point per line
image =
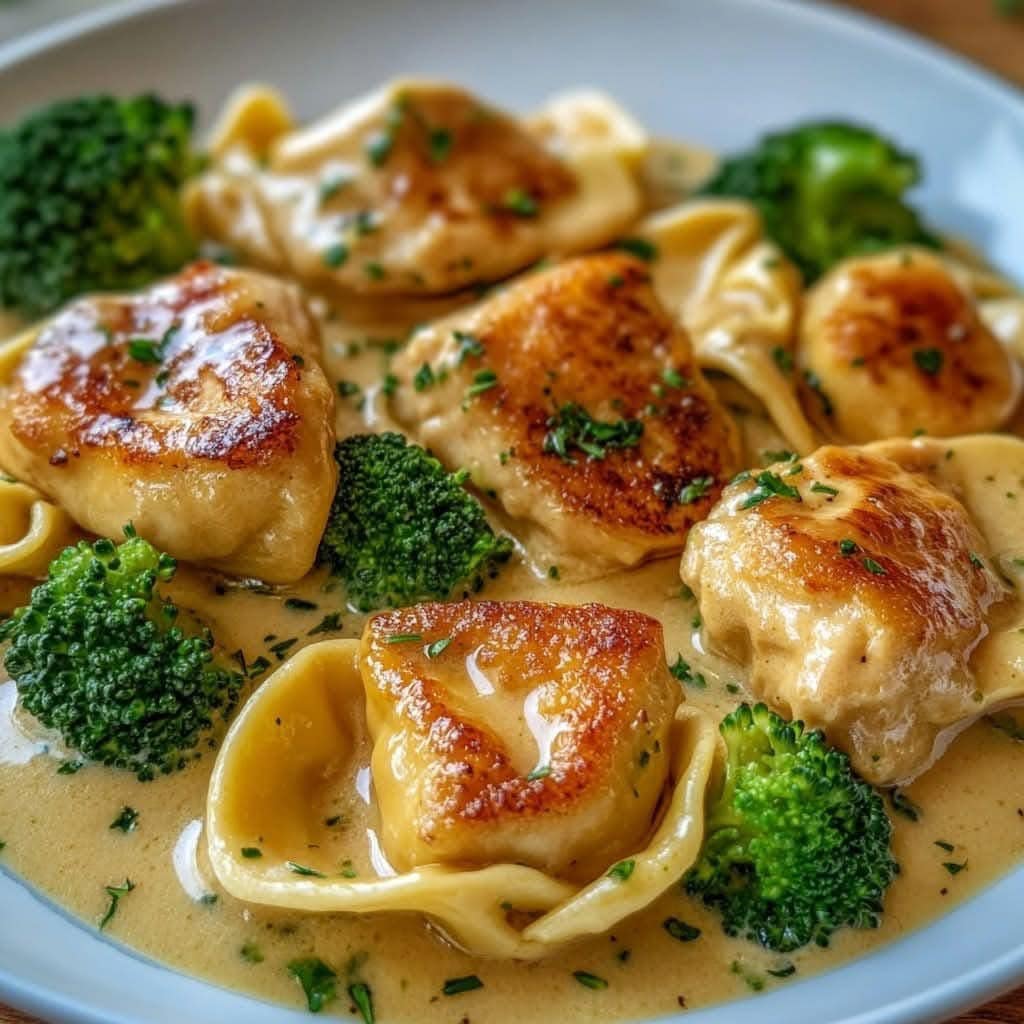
x: 185, y: 370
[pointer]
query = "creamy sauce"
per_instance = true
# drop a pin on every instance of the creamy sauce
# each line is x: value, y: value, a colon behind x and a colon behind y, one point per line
x: 58, y: 835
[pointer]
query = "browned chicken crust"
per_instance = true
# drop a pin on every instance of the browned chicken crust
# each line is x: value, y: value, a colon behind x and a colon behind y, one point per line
x: 536, y: 735
x: 588, y: 333
x: 898, y: 347
x: 196, y: 409
x: 857, y: 601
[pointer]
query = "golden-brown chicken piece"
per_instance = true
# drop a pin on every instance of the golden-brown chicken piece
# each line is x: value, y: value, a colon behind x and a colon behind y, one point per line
x: 856, y: 592
x: 420, y: 188
x: 196, y: 409
x: 894, y: 345
x: 517, y: 732
x: 575, y: 399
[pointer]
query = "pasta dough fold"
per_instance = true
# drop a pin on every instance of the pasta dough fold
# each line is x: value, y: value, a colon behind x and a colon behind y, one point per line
x: 418, y: 189
x: 296, y: 755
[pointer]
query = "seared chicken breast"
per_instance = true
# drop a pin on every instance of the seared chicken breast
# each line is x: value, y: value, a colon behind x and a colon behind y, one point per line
x: 196, y: 409
x: 856, y: 592
x: 574, y: 399
x: 420, y: 188
x: 517, y: 733
x: 893, y: 345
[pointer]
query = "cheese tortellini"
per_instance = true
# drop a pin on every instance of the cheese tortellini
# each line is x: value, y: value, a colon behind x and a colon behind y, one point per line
x: 195, y: 409
x: 895, y: 345
x: 32, y: 531
x: 866, y: 591
x: 739, y: 298
x: 519, y: 752
x: 418, y: 189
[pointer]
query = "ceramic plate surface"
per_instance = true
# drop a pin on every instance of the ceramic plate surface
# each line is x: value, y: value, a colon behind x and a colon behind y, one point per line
x: 715, y: 71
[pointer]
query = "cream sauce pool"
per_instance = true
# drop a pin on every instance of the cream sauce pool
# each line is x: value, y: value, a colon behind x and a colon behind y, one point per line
x: 57, y: 834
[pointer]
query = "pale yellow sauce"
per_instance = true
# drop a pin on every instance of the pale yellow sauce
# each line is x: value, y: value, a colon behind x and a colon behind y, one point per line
x: 58, y: 837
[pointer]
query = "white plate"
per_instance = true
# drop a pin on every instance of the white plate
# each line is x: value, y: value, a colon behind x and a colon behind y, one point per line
x: 716, y: 71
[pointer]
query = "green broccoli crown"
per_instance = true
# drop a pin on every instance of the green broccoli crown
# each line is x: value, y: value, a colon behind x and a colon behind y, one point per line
x: 90, y: 199
x: 797, y: 845
x: 96, y: 655
x: 402, y: 529
x: 826, y: 191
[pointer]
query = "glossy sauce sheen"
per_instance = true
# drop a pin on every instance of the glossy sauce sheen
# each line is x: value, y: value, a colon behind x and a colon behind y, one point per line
x: 57, y: 833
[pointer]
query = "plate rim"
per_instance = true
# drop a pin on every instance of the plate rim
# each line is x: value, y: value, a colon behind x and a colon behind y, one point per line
x: 960, y: 992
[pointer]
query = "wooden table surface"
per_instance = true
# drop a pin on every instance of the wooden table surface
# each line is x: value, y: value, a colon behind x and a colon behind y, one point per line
x: 989, y: 33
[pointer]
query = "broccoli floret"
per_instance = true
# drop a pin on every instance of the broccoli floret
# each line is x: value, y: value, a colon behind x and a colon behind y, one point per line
x: 826, y: 191
x: 796, y: 845
x: 90, y: 199
x: 402, y: 529
x: 98, y: 656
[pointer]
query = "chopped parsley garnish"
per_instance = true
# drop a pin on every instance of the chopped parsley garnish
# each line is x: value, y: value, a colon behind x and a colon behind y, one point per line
x: 424, y: 378
x: 483, y: 380
x: 144, y: 350
x: 258, y: 667
x: 696, y: 489
x: 573, y: 427
x: 330, y: 187
x: 334, y: 256
x: 299, y: 604
x: 943, y: 845
x: 783, y: 359
x: 389, y: 385
x: 379, y: 146
x: 928, y: 360
x: 282, y: 647
x: 348, y: 388
x: 768, y: 485
x: 674, y: 379
x: 638, y: 247
x: 456, y: 986
x: 873, y: 567
x: 770, y: 455
x: 624, y: 869
x: 953, y: 868
x: 680, y: 929
x: 682, y: 671
x: 374, y: 271
x: 251, y: 852
x: 819, y: 488
x: 330, y: 623
x: 469, y: 345
x: 553, y: 572
x: 786, y: 971
x: 848, y: 547
x: 362, y: 998
x: 976, y: 560
x: 437, y: 648
x: 591, y: 981
x: 301, y: 869
x: 318, y: 981
x: 540, y: 772
x: 348, y: 870
x: 70, y: 767
x: 903, y: 805
x: 753, y: 981
x: 403, y: 638
x: 251, y: 953
x: 520, y: 202
x: 127, y: 820
x: 439, y: 142
x: 115, y: 892
x: 813, y: 381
